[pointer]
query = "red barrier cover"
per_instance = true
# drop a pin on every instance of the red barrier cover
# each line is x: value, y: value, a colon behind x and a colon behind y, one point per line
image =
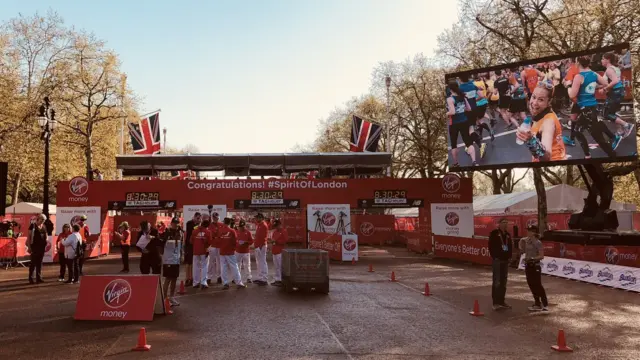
x: 465, y: 249
x: 331, y: 243
x: 484, y: 225
x: 119, y: 297
x: 614, y: 255
x: 373, y: 229
x: 416, y: 241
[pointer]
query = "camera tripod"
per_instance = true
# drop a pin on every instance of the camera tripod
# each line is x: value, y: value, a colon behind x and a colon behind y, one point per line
x: 319, y: 225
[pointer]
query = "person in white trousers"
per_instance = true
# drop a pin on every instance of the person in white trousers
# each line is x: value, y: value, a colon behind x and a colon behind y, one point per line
x: 200, y: 238
x: 229, y: 266
x: 279, y: 239
x: 213, y: 270
x: 260, y: 252
x: 243, y: 256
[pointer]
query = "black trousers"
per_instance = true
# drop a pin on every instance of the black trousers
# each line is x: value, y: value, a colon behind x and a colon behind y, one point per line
x: 63, y: 264
x: 150, y: 264
x: 125, y: 256
x: 534, y: 279
x: 74, y: 271
x: 80, y: 263
x: 499, y: 286
x: 36, y: 264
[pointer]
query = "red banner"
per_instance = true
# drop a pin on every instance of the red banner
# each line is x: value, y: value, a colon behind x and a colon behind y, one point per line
x: 554, y: 221
x: 331, y: 243
x: 119, y: 297
x: 484, y: 225
x: 465, y: 249
x: 614, y: 255
x: 406, y: 223
x: 416, y: 242
x: 294, y: 223
x: 636, y: 221
x: 373, y: 229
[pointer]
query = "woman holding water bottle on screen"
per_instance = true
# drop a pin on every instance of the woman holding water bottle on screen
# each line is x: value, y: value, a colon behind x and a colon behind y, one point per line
x: 542, y: 132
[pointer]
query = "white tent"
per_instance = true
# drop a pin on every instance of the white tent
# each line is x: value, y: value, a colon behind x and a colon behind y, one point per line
x: 28, y: 208
x: 560, y: 198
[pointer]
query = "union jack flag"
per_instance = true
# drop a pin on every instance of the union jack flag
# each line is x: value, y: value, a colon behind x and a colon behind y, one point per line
x: 364, y: 135
x: 145, y: 136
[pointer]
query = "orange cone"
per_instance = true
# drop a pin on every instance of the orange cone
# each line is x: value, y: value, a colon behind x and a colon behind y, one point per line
x: 353, y: 261
x: 167, y: 307
x: 426, y: 290
x: 142, y: 341
x: 562, y: 343
x: 370, y: 268
x: 393, y: 276
x: 181, y: 291
x: 476, y: 309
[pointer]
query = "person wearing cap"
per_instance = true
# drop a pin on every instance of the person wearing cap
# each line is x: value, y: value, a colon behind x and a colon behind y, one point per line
x: 243, y: 257
x: 213, y: 270
x: 260, y: 252
x: 201, y: 238
x: 188, y: 246
x: 279, y: 239
x: 533, y: 251
x: 172, y: 240
x: 228, y: 263
x: 124, y: 236
x: 84, y: 234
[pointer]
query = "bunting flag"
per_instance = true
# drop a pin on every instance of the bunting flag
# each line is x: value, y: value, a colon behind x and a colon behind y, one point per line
x: 364, y: 135
x: 145, y: 136
x: 183, y: 175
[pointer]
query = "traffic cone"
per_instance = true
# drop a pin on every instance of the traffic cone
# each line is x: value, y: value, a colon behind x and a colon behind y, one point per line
x: 562, y: 343
x: 167, y: 307
x: 426, y: 290
x: 353, y: 261
x: 181, y: 291
x: 476, y: 309
x: 370, y: 268
x: 142, y: 341
x: 393, y: 276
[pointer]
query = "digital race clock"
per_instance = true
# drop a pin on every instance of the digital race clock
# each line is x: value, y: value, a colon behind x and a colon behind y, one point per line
x: 266, y: 195
x: 390, y: 194
x: 142, y: 196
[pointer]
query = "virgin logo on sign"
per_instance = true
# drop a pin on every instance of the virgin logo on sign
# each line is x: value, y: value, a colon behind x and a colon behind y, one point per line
x: 451, y: 183
x: 349, y: 244
x: 117, y: 293
x: 452, y: 219
x: 367, y: 229
x: 328, y: 219
x: 78, y: 186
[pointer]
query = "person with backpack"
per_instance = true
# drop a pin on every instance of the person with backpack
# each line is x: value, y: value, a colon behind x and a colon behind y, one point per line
x: 73, y: 251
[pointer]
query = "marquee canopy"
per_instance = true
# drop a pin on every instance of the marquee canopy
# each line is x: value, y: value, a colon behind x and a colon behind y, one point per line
x: 255, y: 164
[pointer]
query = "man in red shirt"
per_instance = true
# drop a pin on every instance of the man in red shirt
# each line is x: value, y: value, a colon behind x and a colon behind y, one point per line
x: 213, y: 271
x: 279, y: 239
x: 260, y: 252
x: 243, y: 257
x: 200, y: 238
x: 228, y: 263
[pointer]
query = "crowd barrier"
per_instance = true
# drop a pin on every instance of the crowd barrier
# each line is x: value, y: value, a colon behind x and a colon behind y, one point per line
x: 339, y: 247
x: 465, y: 249
x: 416, y: 241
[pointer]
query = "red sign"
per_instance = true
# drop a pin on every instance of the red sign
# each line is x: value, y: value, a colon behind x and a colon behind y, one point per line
x: 119, y: 298
x: 554, y: 221
x: 373, y: 229
x: 294, y: 223
x: 330, y: 243
x: 465, y: 249
x: 416, y: 242
x: 484, y: 225
x: 613, y: 255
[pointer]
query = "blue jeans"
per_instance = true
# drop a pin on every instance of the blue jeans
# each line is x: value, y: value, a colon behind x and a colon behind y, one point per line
x: 499, y: 286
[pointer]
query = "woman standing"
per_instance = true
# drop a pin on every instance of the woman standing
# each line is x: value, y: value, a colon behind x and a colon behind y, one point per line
x: 124, y: 236
x: 148, y: 243
x: 66, y: 231
x: 531, y: 247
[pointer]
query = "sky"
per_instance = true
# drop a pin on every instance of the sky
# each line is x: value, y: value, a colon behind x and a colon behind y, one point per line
x: 251, y: 76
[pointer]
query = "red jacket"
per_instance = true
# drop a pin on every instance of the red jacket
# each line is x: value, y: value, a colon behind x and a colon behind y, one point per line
x: 244, y: 241
x: 227, y: 238
x: 61, y: 238
x: 200, y: 238
x: 279, y: 237
x: 215, y: 234
x: 261, y: 234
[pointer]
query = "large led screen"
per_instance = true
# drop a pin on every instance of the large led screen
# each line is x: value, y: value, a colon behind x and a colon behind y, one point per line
x: 568, y: 109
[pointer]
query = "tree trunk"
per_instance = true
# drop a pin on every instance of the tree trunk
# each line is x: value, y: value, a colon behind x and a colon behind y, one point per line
x: 16, y: 188
x: 570, y: 180
x: 89, y: 155
x: 636, y: 173
x: 542, y: 199
x: 495, y: 182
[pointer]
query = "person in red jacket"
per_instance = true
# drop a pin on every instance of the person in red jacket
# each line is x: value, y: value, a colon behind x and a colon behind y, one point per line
x: 243, y: 257
x: 279, y: 239
x: 200, y: 238
x: 260, y: 252
x: 213, y: 270
x: 228, y: 264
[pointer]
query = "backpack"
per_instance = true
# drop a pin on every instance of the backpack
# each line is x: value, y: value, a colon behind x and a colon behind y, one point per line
x: 80, y: 248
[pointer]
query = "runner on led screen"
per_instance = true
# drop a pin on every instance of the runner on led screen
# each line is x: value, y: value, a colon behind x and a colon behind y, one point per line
x: 457, y: 109
x: 615, y: 94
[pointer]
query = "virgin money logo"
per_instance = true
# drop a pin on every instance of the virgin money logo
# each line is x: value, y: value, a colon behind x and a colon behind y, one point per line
x: 452, y: 219
x: 117, y: 293
x: 532, y: 222
x: 451, y: 183
x: 328, y: 219
x: 367, y: 229
x: 611, y: 255
x: 349, y: 244
x: 78, y: 186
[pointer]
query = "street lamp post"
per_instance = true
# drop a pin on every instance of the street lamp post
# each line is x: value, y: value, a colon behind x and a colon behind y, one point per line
x: 387, y: 143
x: 48, y: 123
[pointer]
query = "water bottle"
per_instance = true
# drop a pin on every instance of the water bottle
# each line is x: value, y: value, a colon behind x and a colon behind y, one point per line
x: 526, y: 126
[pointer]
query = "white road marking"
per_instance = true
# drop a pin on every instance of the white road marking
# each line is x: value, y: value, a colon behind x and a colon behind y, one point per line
x: 489, y: 137
x: 344, y: 350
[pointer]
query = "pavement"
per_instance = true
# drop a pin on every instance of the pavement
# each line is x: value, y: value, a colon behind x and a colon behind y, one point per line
x: 504, y: 150
x: 365, y: 316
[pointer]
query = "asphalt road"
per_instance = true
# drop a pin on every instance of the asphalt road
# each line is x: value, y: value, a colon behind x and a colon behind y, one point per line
x: 364, y: 317
x: 504, y: 150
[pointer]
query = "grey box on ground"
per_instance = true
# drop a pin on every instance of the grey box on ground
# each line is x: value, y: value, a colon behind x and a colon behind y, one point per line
x: 305, y: 269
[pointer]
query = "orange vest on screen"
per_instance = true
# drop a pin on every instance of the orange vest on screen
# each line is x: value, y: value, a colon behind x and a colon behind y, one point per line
x: 531, y: 78
x: 558, y: 151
